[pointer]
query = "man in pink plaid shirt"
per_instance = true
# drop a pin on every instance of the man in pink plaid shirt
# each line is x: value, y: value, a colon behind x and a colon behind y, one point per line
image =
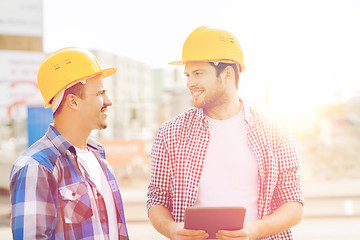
x: 222, y: 153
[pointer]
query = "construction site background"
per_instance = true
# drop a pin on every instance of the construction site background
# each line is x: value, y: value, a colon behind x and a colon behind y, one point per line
x: 144, y: 98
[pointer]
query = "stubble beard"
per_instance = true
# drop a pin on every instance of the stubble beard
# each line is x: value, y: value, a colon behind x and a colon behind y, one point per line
x: 103, y: 125
x: 210, y: 102
x: 103, y: 122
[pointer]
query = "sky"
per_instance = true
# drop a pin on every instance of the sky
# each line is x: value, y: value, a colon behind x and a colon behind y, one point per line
x: 305, y: 51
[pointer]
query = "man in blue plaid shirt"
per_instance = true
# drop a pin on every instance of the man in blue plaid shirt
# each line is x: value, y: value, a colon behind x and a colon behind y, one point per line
x: 62, y: 187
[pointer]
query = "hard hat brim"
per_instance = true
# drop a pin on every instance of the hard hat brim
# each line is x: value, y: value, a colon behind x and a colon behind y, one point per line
x: 109, y: 71
x: 176, y: 63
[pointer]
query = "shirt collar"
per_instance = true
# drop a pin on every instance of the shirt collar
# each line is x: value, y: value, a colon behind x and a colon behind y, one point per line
x: 247, y: 112
x: 64, y: 146
x: 200, y: 114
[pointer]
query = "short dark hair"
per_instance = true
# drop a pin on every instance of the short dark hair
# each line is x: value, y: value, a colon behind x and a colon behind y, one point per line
x: 77, y: 89
x: 221, y: 66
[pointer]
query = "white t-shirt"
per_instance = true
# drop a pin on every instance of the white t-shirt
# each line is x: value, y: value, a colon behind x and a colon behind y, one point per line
x: 88, y: 160
x: 230, y: 172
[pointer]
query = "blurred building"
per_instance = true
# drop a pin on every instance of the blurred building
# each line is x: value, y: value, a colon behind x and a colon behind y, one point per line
x: 133, y: 113
x: 20, y: 56
x: 21, y: 29
x: 172, y: 96
x: 143, y: 98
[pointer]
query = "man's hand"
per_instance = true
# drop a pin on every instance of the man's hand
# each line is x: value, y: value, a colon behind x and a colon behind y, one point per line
x: 164, y: 223
x: 179, y: 233
x: 247, y: 233
x: 286, y: 216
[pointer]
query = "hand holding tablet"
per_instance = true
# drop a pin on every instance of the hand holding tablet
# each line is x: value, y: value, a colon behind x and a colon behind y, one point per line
x: 213, y: 219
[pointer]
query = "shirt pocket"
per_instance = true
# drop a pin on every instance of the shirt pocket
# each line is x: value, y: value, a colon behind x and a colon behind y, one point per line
x: 76, y: 202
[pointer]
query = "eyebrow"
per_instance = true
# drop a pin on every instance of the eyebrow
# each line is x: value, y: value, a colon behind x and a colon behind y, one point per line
x: 196, y: 70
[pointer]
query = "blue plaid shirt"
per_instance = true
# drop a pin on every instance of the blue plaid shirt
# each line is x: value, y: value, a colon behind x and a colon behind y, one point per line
x: 50, y: 198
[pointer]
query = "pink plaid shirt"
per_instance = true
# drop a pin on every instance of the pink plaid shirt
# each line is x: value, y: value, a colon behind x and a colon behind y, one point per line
x: 179, y: 152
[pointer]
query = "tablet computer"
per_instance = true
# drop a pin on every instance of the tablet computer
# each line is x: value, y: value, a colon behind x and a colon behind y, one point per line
x: 212, y: 219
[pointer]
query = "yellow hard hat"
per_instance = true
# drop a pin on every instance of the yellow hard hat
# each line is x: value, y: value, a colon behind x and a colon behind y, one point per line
x: 212, y: 45
x: 67, y: 66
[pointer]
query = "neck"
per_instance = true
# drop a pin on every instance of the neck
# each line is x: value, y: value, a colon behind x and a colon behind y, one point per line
x: 73, y: 131
x: 225, y: 111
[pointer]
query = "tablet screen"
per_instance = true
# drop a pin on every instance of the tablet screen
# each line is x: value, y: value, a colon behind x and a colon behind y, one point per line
x: 212, y: 219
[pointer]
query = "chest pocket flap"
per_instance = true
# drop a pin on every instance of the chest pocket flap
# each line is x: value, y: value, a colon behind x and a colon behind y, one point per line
x: 76, y: 202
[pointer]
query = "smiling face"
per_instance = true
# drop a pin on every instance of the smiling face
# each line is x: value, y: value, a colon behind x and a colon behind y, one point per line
x: 93, y: 105
x: 208, y: 91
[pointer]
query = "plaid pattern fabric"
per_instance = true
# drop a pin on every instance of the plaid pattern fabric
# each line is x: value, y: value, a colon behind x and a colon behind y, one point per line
x: 51, y: 200
x: 179, y: 152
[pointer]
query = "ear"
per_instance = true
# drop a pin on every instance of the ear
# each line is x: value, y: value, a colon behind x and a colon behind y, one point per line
x: 229, y: 74
x: 72, y: 101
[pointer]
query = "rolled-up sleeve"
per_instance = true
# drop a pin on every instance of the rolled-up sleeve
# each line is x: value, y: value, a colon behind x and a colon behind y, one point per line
x: 288, y: 187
